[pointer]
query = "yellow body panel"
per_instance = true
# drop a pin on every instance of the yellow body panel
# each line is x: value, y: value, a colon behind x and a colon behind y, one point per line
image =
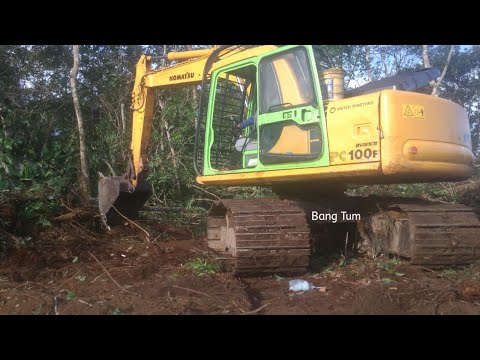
x: 384, y: 137
x: 326, y: 173
x: 353, y: 130
x: 426, y: 138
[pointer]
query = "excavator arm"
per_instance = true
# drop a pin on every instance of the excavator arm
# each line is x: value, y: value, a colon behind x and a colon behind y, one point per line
x: 143, y: 99
x: 124, y: 196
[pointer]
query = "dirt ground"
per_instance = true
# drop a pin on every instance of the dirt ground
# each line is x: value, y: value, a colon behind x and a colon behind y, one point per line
x: 71, y: 269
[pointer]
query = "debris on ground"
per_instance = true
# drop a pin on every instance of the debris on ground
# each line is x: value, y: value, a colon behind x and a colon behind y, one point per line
x: 73, y: 267
x: 300, y: 285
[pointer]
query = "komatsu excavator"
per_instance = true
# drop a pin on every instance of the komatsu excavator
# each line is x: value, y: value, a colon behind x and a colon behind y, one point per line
x: 307, y: 141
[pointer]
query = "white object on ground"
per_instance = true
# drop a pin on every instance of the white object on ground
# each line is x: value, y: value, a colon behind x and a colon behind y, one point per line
x: 301, y: 285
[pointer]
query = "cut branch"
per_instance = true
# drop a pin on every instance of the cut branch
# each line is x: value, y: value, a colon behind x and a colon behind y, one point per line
x: 191, y: 290
x: 130, y: 221
x: 257, y: 310
x: 106, y: 271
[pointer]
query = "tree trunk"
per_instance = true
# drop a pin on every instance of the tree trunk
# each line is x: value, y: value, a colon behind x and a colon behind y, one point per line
x: 122, y: 111
x: 445, y: 67
x: 164, y: 54
x: 426, y: 60
x: 172, y: 150
x: 367, y: 59
x: 426, y: 64
x: 84, y: 177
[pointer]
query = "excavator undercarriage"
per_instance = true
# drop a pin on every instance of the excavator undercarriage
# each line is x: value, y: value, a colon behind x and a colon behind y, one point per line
x: 278, y: 236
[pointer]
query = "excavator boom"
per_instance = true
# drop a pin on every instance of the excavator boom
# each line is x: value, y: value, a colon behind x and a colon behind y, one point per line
x: 126, y: 195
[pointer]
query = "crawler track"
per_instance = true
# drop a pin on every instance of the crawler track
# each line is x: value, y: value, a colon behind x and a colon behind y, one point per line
x: 427, y: 233
x: 260, y: 235
x: 273, y: 236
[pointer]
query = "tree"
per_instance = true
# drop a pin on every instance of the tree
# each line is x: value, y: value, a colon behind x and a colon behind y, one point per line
x: 84, y: 176
x: 426, y: 64
x: 461, y: 83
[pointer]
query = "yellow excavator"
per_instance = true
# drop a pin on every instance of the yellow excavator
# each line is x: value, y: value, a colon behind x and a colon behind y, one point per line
x: 279, y: 116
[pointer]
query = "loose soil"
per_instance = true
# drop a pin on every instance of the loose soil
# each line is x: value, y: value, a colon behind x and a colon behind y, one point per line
x: 73, y: 269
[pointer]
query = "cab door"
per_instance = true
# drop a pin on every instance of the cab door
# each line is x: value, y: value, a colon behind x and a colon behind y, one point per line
x: 291, y: 121
x: 229, y: 148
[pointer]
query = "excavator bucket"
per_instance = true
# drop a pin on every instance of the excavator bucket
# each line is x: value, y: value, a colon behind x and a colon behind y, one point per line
x: 118, y: 198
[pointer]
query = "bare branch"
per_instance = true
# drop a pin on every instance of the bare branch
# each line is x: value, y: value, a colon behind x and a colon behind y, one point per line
x: 109, y: 166
x: 132, y: 222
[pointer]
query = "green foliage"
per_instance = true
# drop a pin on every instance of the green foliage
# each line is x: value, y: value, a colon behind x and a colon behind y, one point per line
x: 451, y: 271
x: 71, y: 295
x: 461, y: 83
x: 44, y: 222
x: 202, y: 266
x: 440, y: 191
x: 7, y: 165
x: 390, y: 265
x: 37, y: 205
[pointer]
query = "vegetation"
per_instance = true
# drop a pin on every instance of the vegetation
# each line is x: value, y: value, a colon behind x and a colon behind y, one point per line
x: 203, y: 266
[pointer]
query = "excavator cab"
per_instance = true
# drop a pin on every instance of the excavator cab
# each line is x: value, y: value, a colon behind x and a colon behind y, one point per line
x: 281, y: 89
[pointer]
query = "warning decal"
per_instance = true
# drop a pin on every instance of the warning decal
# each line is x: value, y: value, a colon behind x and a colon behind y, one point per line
x: 412, y: 111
